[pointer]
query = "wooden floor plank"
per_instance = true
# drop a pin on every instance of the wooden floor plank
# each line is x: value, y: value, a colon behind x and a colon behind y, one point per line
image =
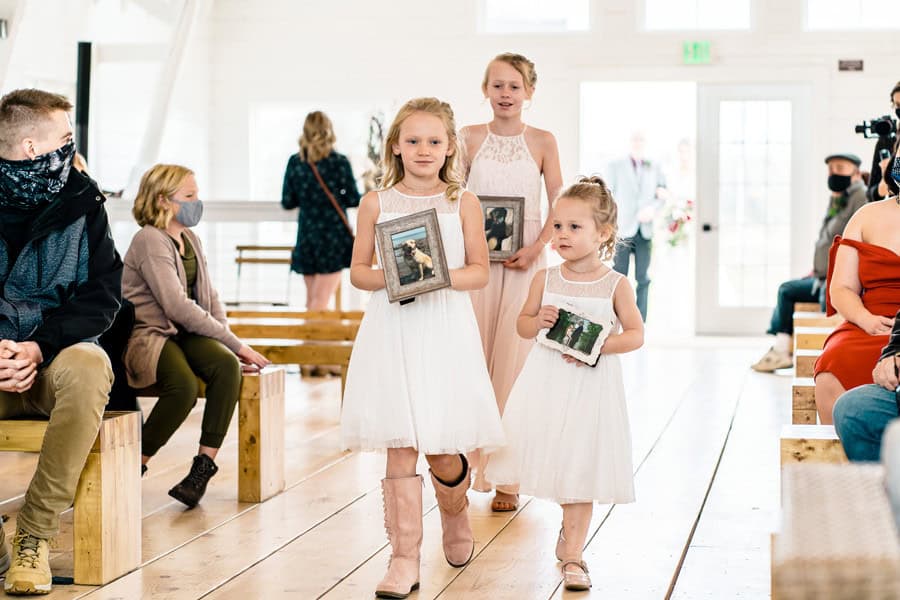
x: 636, y: 552
x: 436, y: 575
x: 729, y: 555
x: 252, y: 536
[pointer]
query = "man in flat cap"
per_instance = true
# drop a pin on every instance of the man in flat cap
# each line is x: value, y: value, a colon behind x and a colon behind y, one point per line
x: 848, y: 193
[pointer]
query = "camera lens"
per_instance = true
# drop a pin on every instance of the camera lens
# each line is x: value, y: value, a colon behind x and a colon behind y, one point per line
x: 882, y: 127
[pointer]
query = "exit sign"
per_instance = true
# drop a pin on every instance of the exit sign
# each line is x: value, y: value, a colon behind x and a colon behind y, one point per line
x: 696, y: 53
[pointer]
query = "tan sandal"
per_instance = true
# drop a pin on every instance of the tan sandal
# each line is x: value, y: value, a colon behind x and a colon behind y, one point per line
x: 573, y: 580
x: 500, y: 505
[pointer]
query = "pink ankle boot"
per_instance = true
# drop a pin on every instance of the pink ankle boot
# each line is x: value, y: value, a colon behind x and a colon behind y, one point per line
x: 459, y: 543
x: 403, y: 523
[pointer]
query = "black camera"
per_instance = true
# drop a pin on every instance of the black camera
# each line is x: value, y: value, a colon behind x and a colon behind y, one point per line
x: 882, y: 127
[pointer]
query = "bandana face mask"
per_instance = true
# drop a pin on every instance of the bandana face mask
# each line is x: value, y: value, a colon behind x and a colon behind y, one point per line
x: 27, y: 184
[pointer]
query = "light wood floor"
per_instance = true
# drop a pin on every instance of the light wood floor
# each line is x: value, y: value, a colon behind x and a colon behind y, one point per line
x: 705, y: 430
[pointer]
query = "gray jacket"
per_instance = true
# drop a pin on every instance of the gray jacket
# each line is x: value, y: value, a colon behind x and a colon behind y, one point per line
x: 832, y: 226
x: 633, y: 188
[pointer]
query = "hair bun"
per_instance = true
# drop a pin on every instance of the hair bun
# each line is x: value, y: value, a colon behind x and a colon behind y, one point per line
x: 593, y: 179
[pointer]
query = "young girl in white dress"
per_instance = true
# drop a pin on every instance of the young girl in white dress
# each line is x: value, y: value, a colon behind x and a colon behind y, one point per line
x: 507, y: 158
x: 417, y: 380
x: 566, y: 423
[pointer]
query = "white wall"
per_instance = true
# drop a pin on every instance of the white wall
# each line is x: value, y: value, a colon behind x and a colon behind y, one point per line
x: 380, y: 53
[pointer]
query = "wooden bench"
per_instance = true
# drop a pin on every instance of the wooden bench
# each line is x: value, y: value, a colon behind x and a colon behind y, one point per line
x: 811, y: 338
x: 807, y: 307
x: 305, y: 352
x: 803, y: 401
x: 838, y: 539
x: 805, y: 362
x: 295, y: 329
x: 107, y: 506
x: 276, y: 312
x: 260, y: 433
x: 816, y: 319
x: 263, y: 255
x: 811, y: 443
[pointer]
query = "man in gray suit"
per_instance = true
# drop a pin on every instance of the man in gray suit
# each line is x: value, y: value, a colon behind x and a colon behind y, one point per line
x: 639, y: 189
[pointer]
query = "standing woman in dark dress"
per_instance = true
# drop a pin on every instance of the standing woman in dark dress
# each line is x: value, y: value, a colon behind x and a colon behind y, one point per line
x: 324, y: 242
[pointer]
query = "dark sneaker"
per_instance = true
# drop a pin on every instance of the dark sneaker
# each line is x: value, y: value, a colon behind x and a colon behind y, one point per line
x: 192, y: 487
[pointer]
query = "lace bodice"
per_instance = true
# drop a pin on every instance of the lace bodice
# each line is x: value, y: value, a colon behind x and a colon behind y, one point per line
x: 594, y: 298
x: 503, y: 166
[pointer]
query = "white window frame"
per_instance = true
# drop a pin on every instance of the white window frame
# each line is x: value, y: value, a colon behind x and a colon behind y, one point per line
x: 844, y: 25
x: 484, y: 30
x: 641, y: 14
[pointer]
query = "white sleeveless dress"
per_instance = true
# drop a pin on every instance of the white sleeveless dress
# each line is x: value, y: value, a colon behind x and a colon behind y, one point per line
x: 417, y: 377
x: 567, y: 426
x: 504, y: 166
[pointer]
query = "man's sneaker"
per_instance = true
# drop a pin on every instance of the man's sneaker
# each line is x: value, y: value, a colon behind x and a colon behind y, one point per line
x: 30, y: 570
x: 192, y: 487
x: 4, y: 553
x: 771, y: 361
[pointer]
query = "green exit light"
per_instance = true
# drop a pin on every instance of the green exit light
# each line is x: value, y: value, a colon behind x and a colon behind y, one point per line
x: 696, y: 53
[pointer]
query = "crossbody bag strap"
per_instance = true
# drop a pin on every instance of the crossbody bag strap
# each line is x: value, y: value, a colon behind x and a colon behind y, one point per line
x: 334, y: 202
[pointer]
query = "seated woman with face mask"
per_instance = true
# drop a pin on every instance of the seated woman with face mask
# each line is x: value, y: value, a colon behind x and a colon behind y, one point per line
x: 180, y: 330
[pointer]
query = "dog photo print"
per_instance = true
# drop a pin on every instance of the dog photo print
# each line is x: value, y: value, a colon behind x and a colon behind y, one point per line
x: 576, y: 335
x: 504, y: 222
x: 411, y: 251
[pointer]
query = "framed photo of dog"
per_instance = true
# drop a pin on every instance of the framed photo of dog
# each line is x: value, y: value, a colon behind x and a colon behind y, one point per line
x: 412, y: 255
x: 504, y: 223
x: 576, y: 335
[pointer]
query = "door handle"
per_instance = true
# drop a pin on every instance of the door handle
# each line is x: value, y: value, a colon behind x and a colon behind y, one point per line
x: 707, y: 227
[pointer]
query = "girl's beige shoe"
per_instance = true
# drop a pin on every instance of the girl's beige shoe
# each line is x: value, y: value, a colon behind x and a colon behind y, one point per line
x: 575, y: 576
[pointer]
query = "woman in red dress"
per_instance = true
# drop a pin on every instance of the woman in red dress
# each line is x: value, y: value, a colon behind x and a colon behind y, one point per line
x: 865, y: 290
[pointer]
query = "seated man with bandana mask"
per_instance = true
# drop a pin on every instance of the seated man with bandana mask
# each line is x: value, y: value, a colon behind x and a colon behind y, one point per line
x: 60, y: 288
x: 848, y: 193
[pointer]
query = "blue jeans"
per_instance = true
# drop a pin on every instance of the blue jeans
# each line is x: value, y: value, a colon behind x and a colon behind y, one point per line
x: 807, y: 289
x: 641, y: 247
x: 860, y: 418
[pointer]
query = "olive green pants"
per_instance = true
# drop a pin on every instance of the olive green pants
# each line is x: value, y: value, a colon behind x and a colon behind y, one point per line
x: 183, y: 359
x: 71, y: 391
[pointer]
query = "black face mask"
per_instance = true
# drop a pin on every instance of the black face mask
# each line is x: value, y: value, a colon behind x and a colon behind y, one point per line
x: 27, y: 184
x: 838, y: 183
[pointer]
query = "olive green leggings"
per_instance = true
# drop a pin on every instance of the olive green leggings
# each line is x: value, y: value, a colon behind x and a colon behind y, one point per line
x: 183, y: 359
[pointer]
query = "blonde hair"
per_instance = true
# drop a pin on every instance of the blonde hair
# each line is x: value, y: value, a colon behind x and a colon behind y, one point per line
x: 158, y: 184
x: 317, y: 140
x: 392, y: 165
x: 518, y: 62
x: 594, y: 192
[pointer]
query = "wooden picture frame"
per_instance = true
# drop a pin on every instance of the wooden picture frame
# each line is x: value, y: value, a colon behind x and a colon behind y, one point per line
x: 411, y: 253
x: 504, y: 225
x: 577, y: 335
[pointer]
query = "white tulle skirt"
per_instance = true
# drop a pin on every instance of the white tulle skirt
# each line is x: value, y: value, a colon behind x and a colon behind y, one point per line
x: 417, y: 378
x: 567, y: 431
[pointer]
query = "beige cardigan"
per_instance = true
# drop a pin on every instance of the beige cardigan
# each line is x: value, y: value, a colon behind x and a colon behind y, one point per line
x: 154, y: 281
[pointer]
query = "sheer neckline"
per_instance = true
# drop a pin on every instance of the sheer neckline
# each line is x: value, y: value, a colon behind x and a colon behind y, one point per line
x: 515, y: 135
x: 598, y: 280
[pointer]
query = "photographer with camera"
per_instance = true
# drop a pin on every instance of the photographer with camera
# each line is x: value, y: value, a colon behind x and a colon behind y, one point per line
x: 848, y: 193
x: 886, y: 129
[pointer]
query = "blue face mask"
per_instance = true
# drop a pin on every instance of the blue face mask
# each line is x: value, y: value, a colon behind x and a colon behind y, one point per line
x: 189, y: 213
x: 895, y: 171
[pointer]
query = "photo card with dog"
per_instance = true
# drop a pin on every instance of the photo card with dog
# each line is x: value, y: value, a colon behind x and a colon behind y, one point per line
x: 504, y: 224
x: 576, y: 335
x: 412, y: 255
